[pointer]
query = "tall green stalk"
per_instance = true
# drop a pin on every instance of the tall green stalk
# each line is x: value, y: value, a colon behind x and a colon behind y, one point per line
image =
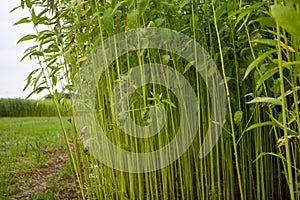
x: 290, y: 179
x: 229, y: 106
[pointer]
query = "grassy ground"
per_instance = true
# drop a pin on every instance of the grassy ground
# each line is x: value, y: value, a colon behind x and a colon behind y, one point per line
x: 33, y: 162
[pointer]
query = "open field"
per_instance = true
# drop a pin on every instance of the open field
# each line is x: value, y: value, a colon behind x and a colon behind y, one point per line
x: 172, y: 99
x: 33, y: 162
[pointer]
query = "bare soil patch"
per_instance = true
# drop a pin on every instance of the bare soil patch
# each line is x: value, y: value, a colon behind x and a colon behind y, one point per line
x: 48, y: 180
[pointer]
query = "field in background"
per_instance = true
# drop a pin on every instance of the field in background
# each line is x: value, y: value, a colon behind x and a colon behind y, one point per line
x: 33, y: 162
x: 26, y: 107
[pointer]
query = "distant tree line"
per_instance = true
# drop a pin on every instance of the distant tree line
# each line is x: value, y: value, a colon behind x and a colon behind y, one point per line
x: 28, y: 108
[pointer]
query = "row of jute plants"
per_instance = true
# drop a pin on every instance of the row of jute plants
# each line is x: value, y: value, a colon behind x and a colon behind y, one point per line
x: 28, y: 108
x: 255, y: 45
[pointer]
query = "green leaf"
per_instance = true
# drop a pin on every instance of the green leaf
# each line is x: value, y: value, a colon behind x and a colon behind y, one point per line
x: 25, y: 56
x: 238, y: 117
x: 168, y: 6
x: 247, y: 11
x: 26, y: 38
x: 22, y: 21
x: 187, y: 67
x: 241, y: 16
x: 288, y: 18
x: 108, y: 18
x: 15, y: 8
x: 169, y: 102
x: 29, y: 78
x: 182, y: 3
x: 275, y: 87
x: 81, y: 59
x: 265, y: 42
x: 159, y: 21
x: 271, y: 154
x: 28, y: 3
x: 37, y: 91
x: 142, y: 6
x: 132, y: 17
x: 126, y: 147
x: 84, y: 12
x: 166, y: 59
x: 257, y: 61
x: 221, y: 10
x: 289, y: 92
x: 265, y: 100
x: 280, y: 125
x: 37, y: 53
x: 232, y: 6
x: 53, y: 48
x: 264, y: 21
x: 43, y: 12
x: 258, y: 125
x: 265, y: 77
x: 117, y: 6
x: 34, y: 17
x: 130, y: 3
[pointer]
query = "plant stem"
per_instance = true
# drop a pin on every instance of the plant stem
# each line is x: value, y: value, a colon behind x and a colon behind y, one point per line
x: 284, y: 115
x: 229, y: 106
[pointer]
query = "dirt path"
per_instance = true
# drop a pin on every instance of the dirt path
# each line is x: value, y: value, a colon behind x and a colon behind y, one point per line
x: 48, y: 181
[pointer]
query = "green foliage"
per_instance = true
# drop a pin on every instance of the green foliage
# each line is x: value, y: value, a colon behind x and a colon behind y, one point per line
x: 255, y: 45
x: 28, y: 108
x: 284, y: 16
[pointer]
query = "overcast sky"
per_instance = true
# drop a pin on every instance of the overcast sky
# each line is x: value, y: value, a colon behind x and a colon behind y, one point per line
x: 12, y: 72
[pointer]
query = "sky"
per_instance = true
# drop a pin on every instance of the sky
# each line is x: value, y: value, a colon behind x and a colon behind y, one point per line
x: 13, y: 73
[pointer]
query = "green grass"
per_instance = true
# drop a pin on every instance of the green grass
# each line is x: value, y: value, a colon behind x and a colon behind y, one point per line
x: 41, y: 196
x: 24, y: 143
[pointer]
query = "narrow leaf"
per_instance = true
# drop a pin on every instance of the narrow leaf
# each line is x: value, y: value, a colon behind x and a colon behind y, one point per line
x: 28, y: 3
x: 265, y: 100
x: 37, y: 53
x: 289, y: 92
x: 81, y: 59
x: 15, y: 8
x: 257, y: 61
x: 258, y: 125
x: 280, y: 125
x: 22, y: 21
x: 169, y: 103
x: 265, y: 42
x: 271, y: 154
x: 187, y: 67
x: 34, y: 17
x: 26, y: 38
x: 265, y: 77
x: 247, y: 11
x: 264, y: 21
x: 220, y: 11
